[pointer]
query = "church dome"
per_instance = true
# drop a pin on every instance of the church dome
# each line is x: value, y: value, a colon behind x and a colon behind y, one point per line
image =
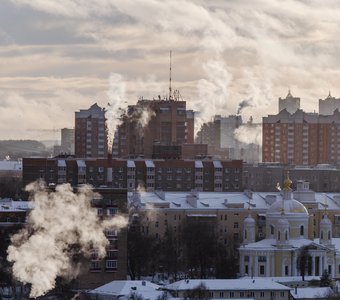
x: 289, y: 207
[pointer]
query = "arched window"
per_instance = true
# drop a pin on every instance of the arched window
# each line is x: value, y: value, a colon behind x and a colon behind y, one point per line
x: 286, y: 235
x: 329, y: 235
x: 321, y: 235
x: 302, y: 230
x: 245, y: 234
x: 278, y: 235
x: 271, y: 229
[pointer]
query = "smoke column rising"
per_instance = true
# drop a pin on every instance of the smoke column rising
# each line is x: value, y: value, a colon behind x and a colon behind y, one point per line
x: 61, y: 224
x: 116, y: 107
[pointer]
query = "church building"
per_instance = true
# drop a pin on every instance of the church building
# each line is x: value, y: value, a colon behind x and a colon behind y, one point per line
x: 288, y: 247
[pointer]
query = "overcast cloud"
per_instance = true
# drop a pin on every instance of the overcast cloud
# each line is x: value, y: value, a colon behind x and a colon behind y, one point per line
x: 56, y: 56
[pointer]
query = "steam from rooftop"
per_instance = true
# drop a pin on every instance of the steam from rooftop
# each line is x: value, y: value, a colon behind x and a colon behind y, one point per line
x: 116, y: 107
x: 62, y: 224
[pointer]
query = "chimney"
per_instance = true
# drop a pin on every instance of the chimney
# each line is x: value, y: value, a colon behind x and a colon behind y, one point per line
x: 109, y: 169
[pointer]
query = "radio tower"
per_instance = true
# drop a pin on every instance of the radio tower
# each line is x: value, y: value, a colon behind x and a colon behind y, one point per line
x: 170, y: 91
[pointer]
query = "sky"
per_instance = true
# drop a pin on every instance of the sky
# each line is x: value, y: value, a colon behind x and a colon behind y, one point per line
x: 59, y: 56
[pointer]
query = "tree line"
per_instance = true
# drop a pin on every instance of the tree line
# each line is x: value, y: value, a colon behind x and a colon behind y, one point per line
x: 193, y: 250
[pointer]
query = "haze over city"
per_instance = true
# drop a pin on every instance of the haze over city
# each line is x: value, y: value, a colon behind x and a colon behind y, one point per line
x: 59, y: 56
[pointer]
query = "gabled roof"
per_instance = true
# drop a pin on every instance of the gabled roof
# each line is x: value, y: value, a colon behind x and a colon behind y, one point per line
x: 227, y: 284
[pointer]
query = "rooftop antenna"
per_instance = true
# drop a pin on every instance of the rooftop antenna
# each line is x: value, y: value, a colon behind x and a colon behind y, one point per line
x: 170, y: 92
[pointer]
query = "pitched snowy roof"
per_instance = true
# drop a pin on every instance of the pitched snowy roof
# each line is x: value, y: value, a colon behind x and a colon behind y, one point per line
x: 125, y: 287
x: 227, y: 284
x: 311, y: 292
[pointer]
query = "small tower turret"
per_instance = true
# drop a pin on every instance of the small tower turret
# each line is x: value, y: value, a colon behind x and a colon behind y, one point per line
x: 326, y: 231
x: 249, y: 229
x: 282, y: 229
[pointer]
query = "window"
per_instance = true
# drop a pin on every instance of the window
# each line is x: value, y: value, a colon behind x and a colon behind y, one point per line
x: 111, y: 264
x: 262, y: 294
x: 271, y: 229
x: 245, y: 234
x: 112, y: 211
x: 241, y: 294
x: 236, y: 225
x: 302, y: 230
x: 231, y: 294
x: 221, y: 294
x: 286, y: 270
x: 246, y: 269
x: 279, y: 235
x: 282, y: 294
x: 246, y: 258
x: 286, y: 235
x: 262, y: 258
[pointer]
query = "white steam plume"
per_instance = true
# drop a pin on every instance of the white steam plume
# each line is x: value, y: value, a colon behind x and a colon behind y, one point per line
x: 249, y: 134
x: 116, y: 107
x: 61, y: 224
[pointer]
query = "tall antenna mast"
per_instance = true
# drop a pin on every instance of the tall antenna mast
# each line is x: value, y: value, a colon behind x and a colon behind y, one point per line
x: 170, y: 92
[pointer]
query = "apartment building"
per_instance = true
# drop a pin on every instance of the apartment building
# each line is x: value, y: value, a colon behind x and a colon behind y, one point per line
x: 163, y: 122
x: 219, y: 135
x: 290, y: 103
x: 301, y: 138
x: 90, y: 132
x: 158, y: 174
x: 328, y: 105
x: 114, y: 266
x: 265, y: 176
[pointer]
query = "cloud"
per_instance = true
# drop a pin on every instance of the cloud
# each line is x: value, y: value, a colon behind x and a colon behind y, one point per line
x: 258, y: 49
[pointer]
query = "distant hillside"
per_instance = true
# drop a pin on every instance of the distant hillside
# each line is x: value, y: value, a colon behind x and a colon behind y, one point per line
x: 20, y: 148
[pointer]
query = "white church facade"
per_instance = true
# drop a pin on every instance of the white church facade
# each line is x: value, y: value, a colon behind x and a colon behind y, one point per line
x: 287, y: 242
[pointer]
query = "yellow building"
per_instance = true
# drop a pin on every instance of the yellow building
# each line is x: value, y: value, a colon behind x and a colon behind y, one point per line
x: 287, y: 240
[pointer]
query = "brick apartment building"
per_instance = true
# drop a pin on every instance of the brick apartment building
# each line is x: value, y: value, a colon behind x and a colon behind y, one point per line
x: 114, y: 265
x: 169, y: 124
x: 157, y: 174
x: 90, y: 132
x: 301, y: 138
x: 265, y: 176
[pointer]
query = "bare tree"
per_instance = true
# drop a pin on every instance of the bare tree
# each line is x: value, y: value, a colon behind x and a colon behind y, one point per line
x: 200, y: 292
x: 304, y: 262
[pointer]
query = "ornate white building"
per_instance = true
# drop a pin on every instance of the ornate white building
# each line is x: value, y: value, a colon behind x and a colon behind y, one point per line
x: 287, y: 240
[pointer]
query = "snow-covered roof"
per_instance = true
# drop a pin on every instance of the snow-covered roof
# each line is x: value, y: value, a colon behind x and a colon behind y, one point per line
x: 260, y: 201
x: 61, y: 163
x: 149, y: 164
x: 81, y: 163
x: 198, y: 164
x: 270, y: 244
x: 311, y: 292
x: 117, y: 288
x: 217, y: 164
x: 10, y: 165
x: 131, y: 164
x: 227, y: 284
x: 9, y: 205
x: 206, y: 200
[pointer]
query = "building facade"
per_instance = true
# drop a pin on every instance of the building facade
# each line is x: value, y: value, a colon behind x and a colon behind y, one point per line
x: 219, y: 135
x: 163, y: 122
x: 67, y: 140
x: 290, y: 103
x: 328, y: 105
x: 158, y: 174
x: 114, y: 266
x: 90, y: 132
x: 288, y: 242
x: 264, y: 177
x: 301, y: 138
